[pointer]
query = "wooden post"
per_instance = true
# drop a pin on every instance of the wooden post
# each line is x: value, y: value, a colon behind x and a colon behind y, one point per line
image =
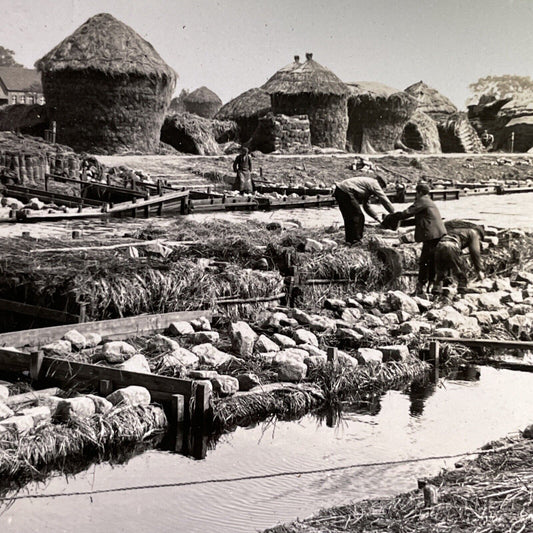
x: 105, y: 387
x: 83, y: 312
x: 333, y: 354
x: 203, y: 409
x: 177, y: 421
x: 434, y: 349
x: 35, y: 364
x: 46, y: 177
x: 76, y: 234
x: 512, y: 141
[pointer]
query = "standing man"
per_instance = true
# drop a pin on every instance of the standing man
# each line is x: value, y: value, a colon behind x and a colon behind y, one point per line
x: 429, y: 229
x: 353, y: 193
x: 242, y: 165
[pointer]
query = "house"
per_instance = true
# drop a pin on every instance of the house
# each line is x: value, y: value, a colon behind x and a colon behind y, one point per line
x: 20, y: 86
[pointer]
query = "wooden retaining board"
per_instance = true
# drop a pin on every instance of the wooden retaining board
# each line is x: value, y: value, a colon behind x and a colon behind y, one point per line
x: 116, y: 329
x: 27, y: 193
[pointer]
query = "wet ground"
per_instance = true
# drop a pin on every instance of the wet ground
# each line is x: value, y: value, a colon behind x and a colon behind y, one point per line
x: 457, y: 416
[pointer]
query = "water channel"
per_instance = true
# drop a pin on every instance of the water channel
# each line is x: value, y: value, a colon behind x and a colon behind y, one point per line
x: 456, y: 416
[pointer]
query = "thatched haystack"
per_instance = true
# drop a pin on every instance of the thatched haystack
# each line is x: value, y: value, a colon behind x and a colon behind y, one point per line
x: 421, y: 134
x: 202, y: 102
x: 457, y: 135
x: 377, y: 116
x: 108, y: 88
x: 313, y: 90
x: 431, y: 102
x: 23, y: 118
x: 522, y: 128
x: 246, y: 110
x: 190, y: 134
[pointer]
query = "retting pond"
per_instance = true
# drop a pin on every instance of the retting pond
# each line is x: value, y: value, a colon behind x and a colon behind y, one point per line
x: 454, y: 417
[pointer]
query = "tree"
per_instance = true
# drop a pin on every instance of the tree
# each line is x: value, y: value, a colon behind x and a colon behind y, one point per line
x: 500, y: 87
x: 7, y: 59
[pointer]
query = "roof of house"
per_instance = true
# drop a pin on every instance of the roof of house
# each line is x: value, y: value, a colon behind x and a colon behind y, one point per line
x: 20, y: 79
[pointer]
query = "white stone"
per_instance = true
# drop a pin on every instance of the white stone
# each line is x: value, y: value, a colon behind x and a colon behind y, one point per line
x: 302, y: 336
x: 275, y: 320
x: 179, y: 328
x: 209, y: 355
x: 397, y: 352
x: 136, y: 363
x: 132, y: 395
x: 423, y: 303
x: 390, y: 319
x: 181, y: 358
x: 399, y: 301
x: 264, y: 345
x: 4, y: 393
x: 225, y: 385
x: 312, y: 245
x: 80, y: 407
x: 447, y: 332
x: 20, y: 424
x: 92, y: 340
x: 525, y: 276
x: 334, y: 303
x: 329, y: 244
x: 312, y: 350
x: 346, y: 360
x: 302, y: 317
x: 61, y: 347
x: 76, y: 339
x: 369, y: 355
x: 117, y: 351
x: 322, y: 323
x: 201, y: 324
x: 243, y: 338
x: 101, y: 405
x: 351, y: 315
x: 349, y: 336
x: 483, y: 317
x: 519, y: 324
x: 292, y: 370
x: 291, y: 353
x: 283, y: 340
x: 201, y: 337
x: 373, y: 321
x: 248, y: 381
x: 5, y: 411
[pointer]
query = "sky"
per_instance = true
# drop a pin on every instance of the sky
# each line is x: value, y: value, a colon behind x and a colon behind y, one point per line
x: 231, y: 46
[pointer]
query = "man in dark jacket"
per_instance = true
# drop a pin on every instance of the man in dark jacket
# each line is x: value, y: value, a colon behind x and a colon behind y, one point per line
x: 353, y: 193
x: 429, y: 229
x: 242, y: 165
x: 449, y: 261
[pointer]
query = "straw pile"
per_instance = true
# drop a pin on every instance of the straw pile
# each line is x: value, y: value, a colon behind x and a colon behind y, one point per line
x: 202, y: 102
x: 377, y: 116
x: 421, y: 134
x: 313, y: 90
x: 56, y: 446
x: 488, y: 494
x: 245, y: 110
x: 108, y: 87
x: 25, y: 159
x: 190, y: 134
x: 457, y: 135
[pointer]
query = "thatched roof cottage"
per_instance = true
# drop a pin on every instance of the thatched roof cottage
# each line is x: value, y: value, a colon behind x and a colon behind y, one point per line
x: 246, y: 110
x: 108, y: 89
x: 313, y: 90
x: 431, y: 102
x: 377, y: 116
x: 202, y: 102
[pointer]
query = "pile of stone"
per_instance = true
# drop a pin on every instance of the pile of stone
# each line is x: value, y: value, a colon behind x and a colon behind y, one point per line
x: 283, y: 133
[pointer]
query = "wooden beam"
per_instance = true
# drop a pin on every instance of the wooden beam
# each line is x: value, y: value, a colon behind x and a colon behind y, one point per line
x: 30, y: 397
x: 38, y: 311
x: 119, y: 328
x: 487, y: 343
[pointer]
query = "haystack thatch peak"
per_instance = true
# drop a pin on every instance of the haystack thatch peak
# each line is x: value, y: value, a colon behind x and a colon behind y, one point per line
x: 430, y: 100
x: 253, y: 102
x: 203, y: 95
x: 375, y: 88
x: 105, y: 44
x: 305, y: 78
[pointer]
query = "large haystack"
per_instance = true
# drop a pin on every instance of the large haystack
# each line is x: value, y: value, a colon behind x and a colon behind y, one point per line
x: 190, y: 134
x: 457, y: 135
x: 431, y: 102
x: 377, y: 116
x: 421, y: 134
x: 202, y: 102
x: 313, y: 90
x: 108, y: 88
x: 246, y: 110
x: 26, y: 119
x: 517, y: 135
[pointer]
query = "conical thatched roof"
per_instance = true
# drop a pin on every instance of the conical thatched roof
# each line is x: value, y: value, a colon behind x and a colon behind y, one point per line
x: 254, y: 102
x: 307, y: 78
x: 203, y: 95
x: 430, y: 101
x: 107, y: 45
x: 373, y: 88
